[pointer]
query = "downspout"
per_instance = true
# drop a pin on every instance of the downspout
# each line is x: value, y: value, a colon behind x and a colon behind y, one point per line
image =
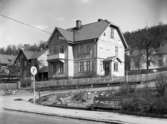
x: 111, y: 71
x: 67, y: 62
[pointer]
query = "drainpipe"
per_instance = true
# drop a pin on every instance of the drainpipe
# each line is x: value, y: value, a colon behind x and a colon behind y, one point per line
x: 111, y: 71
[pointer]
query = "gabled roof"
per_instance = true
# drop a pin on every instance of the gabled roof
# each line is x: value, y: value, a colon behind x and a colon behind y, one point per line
x: 89, y: 31
x: 86, y: 32
x: 113, y: 58
x: 68, y: 35
x: 7, y: 59
x: 31, y: 54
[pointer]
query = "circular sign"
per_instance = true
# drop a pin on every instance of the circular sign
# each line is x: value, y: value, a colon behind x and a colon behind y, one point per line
x: 33, y: 70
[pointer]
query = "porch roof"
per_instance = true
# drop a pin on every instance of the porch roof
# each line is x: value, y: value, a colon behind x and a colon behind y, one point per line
x: 56, y: 60
x: 113, y: 58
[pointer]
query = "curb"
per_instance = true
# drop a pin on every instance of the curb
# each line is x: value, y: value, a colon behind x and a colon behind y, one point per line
x: 71, y: 117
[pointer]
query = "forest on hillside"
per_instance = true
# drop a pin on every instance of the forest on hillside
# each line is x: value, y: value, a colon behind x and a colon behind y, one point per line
x: 13, y: 49
x: 146, y: 41
x: 153, y: 36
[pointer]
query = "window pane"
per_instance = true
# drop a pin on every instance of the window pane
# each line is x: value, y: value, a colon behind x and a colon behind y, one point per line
x: 62, y: 49
x: 115, y: 66
x: 61, y: 68
x: 112, y: 33
x: 116, y: 50
x: 88, y: 66
x: 81, y: 66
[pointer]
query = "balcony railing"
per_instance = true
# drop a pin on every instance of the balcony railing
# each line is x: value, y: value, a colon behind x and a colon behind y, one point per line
x: 56, y: 56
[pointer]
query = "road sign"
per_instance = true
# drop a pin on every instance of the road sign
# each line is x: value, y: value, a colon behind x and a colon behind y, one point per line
x: 33, y: 70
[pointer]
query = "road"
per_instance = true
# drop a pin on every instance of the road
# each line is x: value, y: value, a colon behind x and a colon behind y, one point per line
x: 11, y: 117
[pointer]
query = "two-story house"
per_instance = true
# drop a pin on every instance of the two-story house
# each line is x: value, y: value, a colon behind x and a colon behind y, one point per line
x: 94, y: 49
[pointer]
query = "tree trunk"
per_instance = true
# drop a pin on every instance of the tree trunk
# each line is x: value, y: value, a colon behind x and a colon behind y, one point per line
x: 147, y: 58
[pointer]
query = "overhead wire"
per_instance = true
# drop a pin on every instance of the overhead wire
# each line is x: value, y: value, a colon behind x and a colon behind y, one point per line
x: 23, y: 23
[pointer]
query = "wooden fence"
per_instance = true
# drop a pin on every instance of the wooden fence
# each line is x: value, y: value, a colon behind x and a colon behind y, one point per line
x: 5, y: 86
x: 100, y: 80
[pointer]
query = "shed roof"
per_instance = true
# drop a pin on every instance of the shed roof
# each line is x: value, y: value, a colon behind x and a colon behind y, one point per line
x: 6, y: 59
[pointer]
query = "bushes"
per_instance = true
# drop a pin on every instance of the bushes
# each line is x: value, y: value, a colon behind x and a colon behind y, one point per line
x: 146, y: 100
x: 80, y: 97
x: 138, y: 101
x: 159, y: 105
x: 136, y: 104
x: 161, y: 84
x: 26, y: 83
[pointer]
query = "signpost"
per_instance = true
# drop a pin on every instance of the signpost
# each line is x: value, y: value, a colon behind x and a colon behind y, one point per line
x: 34, y: 72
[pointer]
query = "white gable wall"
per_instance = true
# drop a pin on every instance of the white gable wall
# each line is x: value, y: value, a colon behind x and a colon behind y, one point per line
x: 43, y: 59
x: 106, y: 48
x: 70, y: 61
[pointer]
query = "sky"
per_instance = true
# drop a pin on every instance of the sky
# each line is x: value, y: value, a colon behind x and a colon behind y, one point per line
x: 129, y: 15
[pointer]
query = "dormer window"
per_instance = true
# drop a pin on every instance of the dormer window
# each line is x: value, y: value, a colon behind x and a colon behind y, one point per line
x: 116, y: 50
x: 60, y: 37
x: 112, y: 33
x: 57, y: 36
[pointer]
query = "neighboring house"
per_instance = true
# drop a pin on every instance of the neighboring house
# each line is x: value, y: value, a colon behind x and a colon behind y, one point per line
x: 95, y: 49
x: 5, y: 63
x: 26, y: 59
x: 137, y: 59
x: 160, y: 57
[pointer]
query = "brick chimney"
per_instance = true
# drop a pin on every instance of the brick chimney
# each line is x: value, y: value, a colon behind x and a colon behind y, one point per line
x: 100, y: 20
x: 78, y: 24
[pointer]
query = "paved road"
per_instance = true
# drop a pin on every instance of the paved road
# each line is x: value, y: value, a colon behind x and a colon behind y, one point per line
x: 11, y: 117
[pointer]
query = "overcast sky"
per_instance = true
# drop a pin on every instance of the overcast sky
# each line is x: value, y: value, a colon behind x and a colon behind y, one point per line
x: 130, y: 15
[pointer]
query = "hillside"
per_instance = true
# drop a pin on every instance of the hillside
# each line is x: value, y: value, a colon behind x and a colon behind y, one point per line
x: 14, y: 49
x: 143, y: 44
x: 156, y: 35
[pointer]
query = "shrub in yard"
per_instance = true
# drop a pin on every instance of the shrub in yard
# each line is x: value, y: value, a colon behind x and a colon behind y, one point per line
x: 26, y: 83
x: 126, y: 89
x: 80, y: 97
x: 139, y: 101
x: 159, y: 105
x: 161, y: 84
x: 135, y: 104
x: 42, y: 99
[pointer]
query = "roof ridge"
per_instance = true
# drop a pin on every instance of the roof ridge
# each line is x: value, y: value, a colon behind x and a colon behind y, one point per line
x: 69, y: 29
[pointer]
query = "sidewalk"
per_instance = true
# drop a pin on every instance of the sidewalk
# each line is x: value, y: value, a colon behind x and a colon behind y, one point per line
x: 23, y: 106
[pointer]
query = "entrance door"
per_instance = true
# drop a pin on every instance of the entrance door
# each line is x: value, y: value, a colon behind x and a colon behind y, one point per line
x: 107, y: 68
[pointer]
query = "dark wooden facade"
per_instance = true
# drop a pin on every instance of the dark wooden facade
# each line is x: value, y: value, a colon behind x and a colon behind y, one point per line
x: 23, y: 62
